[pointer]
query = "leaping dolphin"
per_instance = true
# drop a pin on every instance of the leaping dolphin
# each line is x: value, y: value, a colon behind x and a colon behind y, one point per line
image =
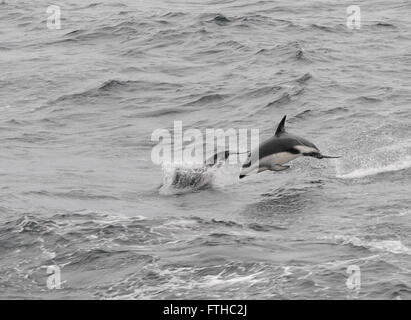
x: 275, y: 152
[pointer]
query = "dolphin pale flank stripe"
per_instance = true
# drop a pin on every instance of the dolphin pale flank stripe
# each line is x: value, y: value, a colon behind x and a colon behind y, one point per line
x: 281, y: 148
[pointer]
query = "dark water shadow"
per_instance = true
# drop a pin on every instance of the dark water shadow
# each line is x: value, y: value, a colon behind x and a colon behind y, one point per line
x: 283, y: 206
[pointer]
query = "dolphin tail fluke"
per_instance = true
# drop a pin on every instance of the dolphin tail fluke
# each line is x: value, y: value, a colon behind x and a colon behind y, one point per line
x: 218, y: 158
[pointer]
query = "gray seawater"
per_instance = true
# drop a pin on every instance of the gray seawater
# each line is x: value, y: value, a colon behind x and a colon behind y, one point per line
x: 79, y: 190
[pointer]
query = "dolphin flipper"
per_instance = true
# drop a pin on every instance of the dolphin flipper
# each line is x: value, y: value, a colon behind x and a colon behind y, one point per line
x: 275, y: 167
x: 278, y: 167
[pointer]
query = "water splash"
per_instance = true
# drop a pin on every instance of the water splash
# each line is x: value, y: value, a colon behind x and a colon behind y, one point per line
x: 186, y: 179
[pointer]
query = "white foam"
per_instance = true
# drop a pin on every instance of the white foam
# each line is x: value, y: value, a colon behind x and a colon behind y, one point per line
x: 391, y: 246
x: 212, y: 281
x: 364, y: 172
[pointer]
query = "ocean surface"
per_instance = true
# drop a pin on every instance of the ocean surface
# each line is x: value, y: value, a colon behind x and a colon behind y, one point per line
x: 79, y: 190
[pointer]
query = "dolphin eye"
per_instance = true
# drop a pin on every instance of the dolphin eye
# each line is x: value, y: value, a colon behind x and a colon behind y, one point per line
x: 294, y: 151
x: 310, y: 154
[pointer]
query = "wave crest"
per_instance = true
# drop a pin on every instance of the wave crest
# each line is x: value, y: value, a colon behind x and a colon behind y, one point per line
x: 390, y: 246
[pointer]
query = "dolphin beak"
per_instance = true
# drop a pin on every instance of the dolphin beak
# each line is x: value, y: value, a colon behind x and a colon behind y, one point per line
x: 320, y: 156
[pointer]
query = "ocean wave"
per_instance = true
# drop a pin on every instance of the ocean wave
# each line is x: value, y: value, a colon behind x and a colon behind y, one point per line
x: 28, y: 234
x: 303, y: 114
x: 366, y: 99
x: 174, y: 14
x: 336, y: 110
x: 122, y: 28
x: 221, y: 20
x: 231, y: 43
x: 87, y: 258
x: 304, y: 78
x: 163, y: 112
x: 226, y: 227
x: 208, y: 99
x: 323, y: 28
x: 72, y: 194
x: 385, y: 25
x: 28, y: 224
x: 175, y: 281
x: 262, y: 91
x: 289, y: 51
x: 285, y: 97
x: 111, y: 86
x: 388, y: 246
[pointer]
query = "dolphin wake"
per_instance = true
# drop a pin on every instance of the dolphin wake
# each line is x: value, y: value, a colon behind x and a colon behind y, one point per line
x: 372, y: 171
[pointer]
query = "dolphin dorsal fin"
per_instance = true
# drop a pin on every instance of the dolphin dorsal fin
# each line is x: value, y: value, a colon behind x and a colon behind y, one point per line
x: 281, y: 127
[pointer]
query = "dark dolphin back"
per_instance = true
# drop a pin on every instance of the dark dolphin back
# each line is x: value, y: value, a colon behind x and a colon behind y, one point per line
x: 300, y: 141
x: 284, y: 143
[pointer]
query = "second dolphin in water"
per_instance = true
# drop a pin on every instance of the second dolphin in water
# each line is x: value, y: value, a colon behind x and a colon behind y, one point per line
x: 273, y: 153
